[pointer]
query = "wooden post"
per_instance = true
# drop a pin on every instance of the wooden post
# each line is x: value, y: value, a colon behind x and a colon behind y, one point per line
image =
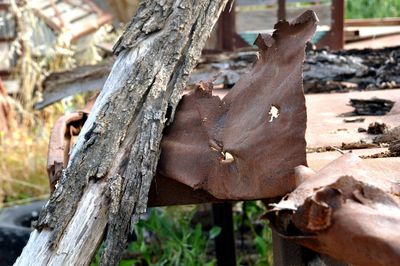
x: 114, y: 160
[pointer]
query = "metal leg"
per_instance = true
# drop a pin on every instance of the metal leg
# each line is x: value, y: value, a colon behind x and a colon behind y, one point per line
x: 286, y: 252
x: 225, y: 242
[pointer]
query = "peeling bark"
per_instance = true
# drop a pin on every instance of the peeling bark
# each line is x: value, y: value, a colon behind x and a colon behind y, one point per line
x: 120, y: 140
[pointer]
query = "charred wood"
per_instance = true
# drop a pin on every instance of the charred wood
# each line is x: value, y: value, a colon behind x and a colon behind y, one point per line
x: 373, y: 106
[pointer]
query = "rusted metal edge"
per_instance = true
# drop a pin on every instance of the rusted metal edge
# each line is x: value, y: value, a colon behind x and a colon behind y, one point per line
x: 348, y: 210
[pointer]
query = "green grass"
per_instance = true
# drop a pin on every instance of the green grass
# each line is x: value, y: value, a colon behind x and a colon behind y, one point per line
x: 169, y: 237
x: 372, y: 8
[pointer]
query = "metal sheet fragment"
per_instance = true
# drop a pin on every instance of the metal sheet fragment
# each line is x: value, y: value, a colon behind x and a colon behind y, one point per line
x: 347, y: 210
x: 265, y: 151
x: 62, y: 137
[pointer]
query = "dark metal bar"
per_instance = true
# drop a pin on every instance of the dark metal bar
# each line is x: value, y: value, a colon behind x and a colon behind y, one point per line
x: 286, y: 252
x: 227, y: 28
x: 337, y: 26
x: 225, y: 242
x: 334, y: 39
x: 281, y: 9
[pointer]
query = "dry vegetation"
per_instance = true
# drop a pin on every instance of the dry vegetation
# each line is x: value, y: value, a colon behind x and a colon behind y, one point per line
x: 23, y: 152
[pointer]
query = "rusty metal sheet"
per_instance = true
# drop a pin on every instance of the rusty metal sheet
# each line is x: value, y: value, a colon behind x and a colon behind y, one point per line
x: 246, y: 145
x: 347, y: 210
x: 61, y: 140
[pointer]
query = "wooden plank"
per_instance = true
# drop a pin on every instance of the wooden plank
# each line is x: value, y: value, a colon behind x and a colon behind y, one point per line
x: 75, y: 14
x: 103, y: 19
x: 372, y: 22
x: 374, y: 31
x: 375, y: 43
x: 258, y: 20
x: 85, y: 23
x: 42, y: 4
x: 50, y: 13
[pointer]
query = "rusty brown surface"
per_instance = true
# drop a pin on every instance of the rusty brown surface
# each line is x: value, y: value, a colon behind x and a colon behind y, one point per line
x: 5, y: 110
x: 348, y: 210
x: 244, y: 146
x: 234, y: 148
x: 62, y: 138
x: 326, y: 114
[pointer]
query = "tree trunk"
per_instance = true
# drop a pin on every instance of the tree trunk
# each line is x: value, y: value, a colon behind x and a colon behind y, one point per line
x: 115, y: 157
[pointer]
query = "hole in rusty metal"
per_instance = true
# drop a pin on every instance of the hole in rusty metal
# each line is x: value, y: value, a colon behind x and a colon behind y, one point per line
x: 273, y: 112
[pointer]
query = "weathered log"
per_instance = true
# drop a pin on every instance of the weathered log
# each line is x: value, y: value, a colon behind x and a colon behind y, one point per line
x: 120, y: 141
x: 60, y: 85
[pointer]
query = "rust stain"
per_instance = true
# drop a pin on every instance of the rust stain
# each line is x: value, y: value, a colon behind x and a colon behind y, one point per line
x: 347, y: 210
x: 264, y: 153
x: 62, y: 137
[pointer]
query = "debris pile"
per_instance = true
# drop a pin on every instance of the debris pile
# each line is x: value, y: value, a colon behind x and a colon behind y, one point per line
x: 376, y: 128
x: 347, y: 70
x: 374, y: 106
